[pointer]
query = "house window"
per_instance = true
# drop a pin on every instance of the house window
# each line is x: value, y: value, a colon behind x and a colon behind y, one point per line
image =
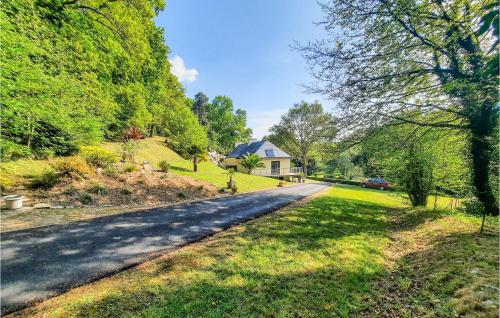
x: 275, y: 167
x: 269, y: 153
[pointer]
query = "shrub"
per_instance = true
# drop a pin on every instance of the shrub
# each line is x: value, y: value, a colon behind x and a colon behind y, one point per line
x: 46, y: 180
x: 128, y: 149
x: 44, y: 153
x: 110, y: 171
x: 71, y: 166
x: 129, y: 167
x: 5, y: 183
x: 85, y: 198
x: 182, y: 195
x: 71, y: 191
x: 127, y: 191
x: 9, y: 150
x: 98, y: 156
x: 472, y: 206
x: 133, y: 133
x: 98, y: 189
x: 164, y: 166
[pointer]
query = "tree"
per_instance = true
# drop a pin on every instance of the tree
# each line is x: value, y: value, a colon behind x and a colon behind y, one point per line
x: 417, y: 176
x: 196, y: 154
x: 104, y: 69
x: 303, y: 128
x: 390, y: 60
x: 251, y: 162
x: 343, y: 163
x: 200, y: 108
x: 226, y: 126
x: 417, y: 158
x: 184, y: 134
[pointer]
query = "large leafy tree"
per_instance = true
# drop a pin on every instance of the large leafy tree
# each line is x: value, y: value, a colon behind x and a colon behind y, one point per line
x: 302, y: 129
x: 225, y: 125
x: 87, y: 68
x: 390, y: 60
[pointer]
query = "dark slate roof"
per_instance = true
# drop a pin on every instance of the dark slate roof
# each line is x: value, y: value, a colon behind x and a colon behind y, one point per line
x: 259, y: 148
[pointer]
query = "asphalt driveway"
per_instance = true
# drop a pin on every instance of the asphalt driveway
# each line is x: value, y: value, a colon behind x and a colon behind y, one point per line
x: 42, y: 262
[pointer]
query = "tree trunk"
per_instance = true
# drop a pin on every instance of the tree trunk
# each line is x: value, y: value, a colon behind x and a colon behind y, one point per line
x: 304, y: 160
x: 195, y: 164
x: 481, y: 150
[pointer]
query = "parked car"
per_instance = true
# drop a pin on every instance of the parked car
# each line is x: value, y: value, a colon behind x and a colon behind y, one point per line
x: 377, y: 183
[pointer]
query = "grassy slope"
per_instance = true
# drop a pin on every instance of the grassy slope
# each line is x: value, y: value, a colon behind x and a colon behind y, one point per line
x: 349, y: 253
x: 152, y: 150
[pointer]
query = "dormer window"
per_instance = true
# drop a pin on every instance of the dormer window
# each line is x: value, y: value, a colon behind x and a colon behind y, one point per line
x: 269, y: 152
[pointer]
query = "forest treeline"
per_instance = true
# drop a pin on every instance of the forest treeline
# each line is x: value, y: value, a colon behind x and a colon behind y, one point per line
x: 79, y: 72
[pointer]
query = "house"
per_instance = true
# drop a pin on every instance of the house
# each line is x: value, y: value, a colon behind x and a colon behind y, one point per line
x: 277, y: 163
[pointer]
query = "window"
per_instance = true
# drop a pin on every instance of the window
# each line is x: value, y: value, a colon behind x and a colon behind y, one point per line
x: 269, y: 153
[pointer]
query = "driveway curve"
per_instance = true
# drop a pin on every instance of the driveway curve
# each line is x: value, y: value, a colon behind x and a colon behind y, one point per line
x: 42, y: 262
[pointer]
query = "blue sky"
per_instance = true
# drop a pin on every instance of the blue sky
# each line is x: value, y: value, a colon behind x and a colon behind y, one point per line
x: 241, y: 49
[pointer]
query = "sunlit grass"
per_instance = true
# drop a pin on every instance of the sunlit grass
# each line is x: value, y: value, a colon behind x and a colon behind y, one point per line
x: 350, y: 252
x: 152, y: 150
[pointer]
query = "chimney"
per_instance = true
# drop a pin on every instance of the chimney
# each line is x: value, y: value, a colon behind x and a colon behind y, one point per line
x: 236, y: 144
x: 252, y: 140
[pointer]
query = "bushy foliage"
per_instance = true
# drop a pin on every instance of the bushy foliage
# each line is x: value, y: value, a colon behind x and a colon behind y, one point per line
x: 46, y: 180
x: 417, y: 177
x: 128, y: 167
x: 5, y: 183
x: 133, y: 133
x: 71, y: 166
x: 183, y: 132
x: 98, y: 156
x: 127, y: 191
x: 85, y: 198
x: 164, y: 166
x: 98, y: 189
x: 9, y: 150
x: 93, y: 78
x: 251, y: 162
x: 472, y: 206
x: 225, y: 125
x: 110, y: 171
x: 128, y: 150
x: 417, y: 160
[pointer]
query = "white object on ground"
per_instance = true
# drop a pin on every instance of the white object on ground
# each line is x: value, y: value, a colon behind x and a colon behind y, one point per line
x: 14, y: 202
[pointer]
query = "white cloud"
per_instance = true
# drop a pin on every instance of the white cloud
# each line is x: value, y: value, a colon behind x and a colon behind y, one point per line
x: 261, y: 121
x: 180, y: 70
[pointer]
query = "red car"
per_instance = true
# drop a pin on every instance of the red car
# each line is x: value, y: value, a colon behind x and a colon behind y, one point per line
x: 377, y: 183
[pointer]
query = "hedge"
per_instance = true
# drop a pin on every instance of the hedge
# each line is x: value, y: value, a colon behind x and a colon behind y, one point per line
x: 332, y: 180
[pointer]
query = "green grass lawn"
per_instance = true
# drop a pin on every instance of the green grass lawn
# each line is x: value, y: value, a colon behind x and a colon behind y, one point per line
x: 350, y: 252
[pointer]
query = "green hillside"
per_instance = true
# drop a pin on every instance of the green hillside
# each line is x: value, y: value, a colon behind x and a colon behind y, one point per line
x: 153, y: 150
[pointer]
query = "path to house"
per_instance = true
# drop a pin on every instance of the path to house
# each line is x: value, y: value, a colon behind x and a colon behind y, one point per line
x: 41, y: 262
